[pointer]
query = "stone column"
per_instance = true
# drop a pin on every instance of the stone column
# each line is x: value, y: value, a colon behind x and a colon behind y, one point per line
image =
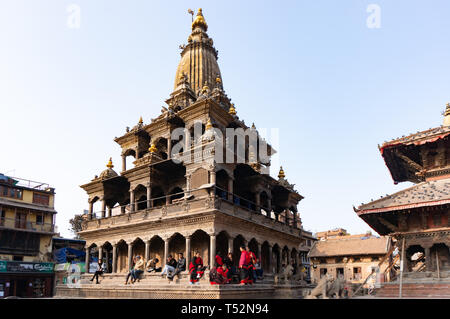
x: 258, y: 202
x: 212, y: 250
x: 230, y: 244
x: 166, y: 250
x: 137, y: 153
x: 188, y: 250
x: 86, y: 260
x: 100, y: 253
x: 149, y: 196
x: 270, y: 259
x: 230, y: 189
x: 132, y: 201
x: 188, y: 185
x: 91, y: 208
x: 167, y: 199
x: 114, y: 258
x: 103, y: 208
x: 212, y: 177
x: 124, y: 163
x: 258, y: 254
x: 130, y: 256
x: 147, y: 250
x: 107, y: 260
x: 169, y: 147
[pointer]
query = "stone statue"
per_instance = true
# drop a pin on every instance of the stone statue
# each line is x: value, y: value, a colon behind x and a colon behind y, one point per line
x: 285, y: 274
x: 322, y: 288
x: 337, y: 288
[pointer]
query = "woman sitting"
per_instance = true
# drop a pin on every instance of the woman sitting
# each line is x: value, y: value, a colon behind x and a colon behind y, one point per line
x: 196, y: 268
x: 219, y: 275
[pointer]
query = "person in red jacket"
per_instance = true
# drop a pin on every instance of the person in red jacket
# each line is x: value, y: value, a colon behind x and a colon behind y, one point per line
x: 252, y: 269
x: 244, y: 265
x: 196, y: 268
x: 219, y: 275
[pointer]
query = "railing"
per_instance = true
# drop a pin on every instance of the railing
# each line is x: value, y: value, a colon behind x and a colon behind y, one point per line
x: 161, y: 201
x: 30, y: 184
x: 26, y: 225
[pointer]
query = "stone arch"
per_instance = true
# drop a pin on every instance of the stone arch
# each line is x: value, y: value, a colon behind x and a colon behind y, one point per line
x: 140, y: 194
x: 138, y: 247
x: 285, y: 256
x: 122, y: 256
x: 265, y: 257
x: 237, y: 242
x: 107, y: 255
x: 276, y: 258
x: 161, y: 145
x: 177, y: 244
x: 156, y: 249
x: 222, y: 243
x: 176, y: 193
x: 253, y: 246
x: 158, y: 196
x: 222, y: 179
x: 200, y: 242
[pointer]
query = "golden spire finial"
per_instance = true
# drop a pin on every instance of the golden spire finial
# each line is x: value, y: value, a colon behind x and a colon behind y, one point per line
x: 140, y: 120
x: 253, y: 126
x: 152, y: 148
x: 232, y: 110
x: 281, y: 173
x: 218, y: 80
x: 199, y: 20
x: 110, y: 164
x: 208, y: 124
x: 447, y: 115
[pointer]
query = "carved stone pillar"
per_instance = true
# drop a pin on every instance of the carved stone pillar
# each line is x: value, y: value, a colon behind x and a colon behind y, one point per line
x: 130, y: 256
x: 212, y: 177
x: 149, y: 196
x: 124, y: 163
x: 230, y: 244
x: 166, y: 250
x: 188, y: 250
x: 147, y: 250
x: 103, y: 208
x: 169, y: 147
x: 114, y: 258
x: 86, y: 259
x: 91, y: 210
x: 132, y: 207
x: 230, y: 189
x: 100, y: 253
x: 107, y: 260
x: 258, y: 202
x: 212, y: 250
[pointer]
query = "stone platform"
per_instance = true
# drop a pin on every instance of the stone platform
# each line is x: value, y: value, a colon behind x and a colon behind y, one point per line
x: 153, y: 286
x: 418, y: 285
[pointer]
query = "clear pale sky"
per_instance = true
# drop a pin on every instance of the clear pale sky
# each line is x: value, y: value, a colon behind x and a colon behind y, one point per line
x: 334, y: 87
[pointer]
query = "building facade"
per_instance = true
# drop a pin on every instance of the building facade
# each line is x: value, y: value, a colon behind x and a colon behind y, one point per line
x: 191, y: 191
x: 417, y: 217
x: 351, y: 257
x: 27, y: 225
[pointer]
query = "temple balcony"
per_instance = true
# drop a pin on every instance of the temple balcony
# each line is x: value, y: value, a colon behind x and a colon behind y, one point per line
x: 187, y: 204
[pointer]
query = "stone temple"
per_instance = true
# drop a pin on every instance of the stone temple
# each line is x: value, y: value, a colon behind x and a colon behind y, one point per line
x: 197, y: 190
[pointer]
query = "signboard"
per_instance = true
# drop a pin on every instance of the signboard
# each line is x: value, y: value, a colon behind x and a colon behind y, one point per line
x: 25, y: 267
x: 2, y: 266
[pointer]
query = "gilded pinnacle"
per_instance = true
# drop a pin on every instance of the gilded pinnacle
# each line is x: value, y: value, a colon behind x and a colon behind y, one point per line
x: 110, y: 164
x: 152, y: 148
x: 232, y: 110
x: 281, y: 173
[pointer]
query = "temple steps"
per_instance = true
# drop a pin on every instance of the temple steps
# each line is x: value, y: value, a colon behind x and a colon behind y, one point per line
x: 415, y: 290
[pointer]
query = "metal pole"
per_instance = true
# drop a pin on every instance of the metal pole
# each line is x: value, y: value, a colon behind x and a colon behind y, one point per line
x: 402, y: 261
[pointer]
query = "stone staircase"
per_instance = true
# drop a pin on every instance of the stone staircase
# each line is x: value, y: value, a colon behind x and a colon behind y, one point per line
x: 154, y: 286
x: 415, y: 290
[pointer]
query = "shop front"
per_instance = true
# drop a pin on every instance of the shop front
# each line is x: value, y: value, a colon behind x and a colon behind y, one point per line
x: 26, y: 279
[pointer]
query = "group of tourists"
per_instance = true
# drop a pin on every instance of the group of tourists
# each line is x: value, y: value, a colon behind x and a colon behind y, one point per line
x: 223, y: 272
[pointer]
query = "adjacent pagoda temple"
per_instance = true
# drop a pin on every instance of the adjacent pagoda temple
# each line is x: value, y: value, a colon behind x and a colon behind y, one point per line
x: 418, y: 217
x: 171, y: 201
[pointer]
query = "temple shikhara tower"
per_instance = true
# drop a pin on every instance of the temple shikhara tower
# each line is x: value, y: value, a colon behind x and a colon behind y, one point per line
x: 417, y: 218
x: 198, y: 190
